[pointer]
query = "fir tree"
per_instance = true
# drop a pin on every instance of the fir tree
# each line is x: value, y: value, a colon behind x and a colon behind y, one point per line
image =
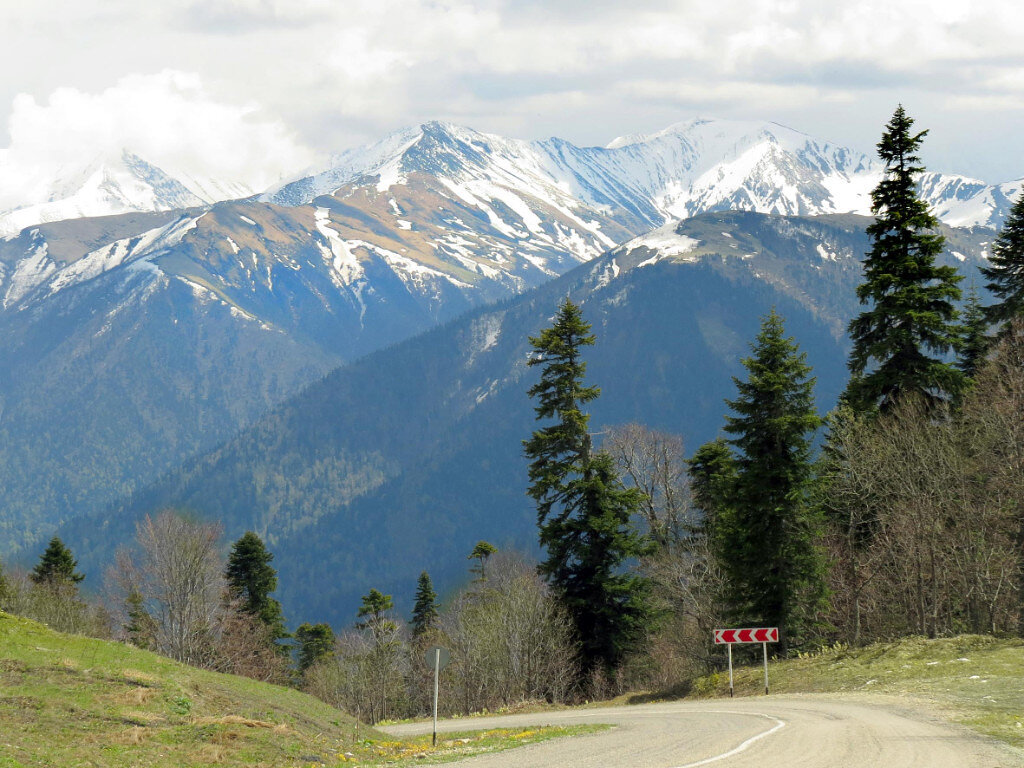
x: 974, y: 342
x: 712, y: 471
x: 56, y: 565
x: 251, y: 579
x: 316, y: 642
x: 767, y: 536
x: 481, y: 552
x: 424, y: 612
x: 899, y: 342
x: 1005, y: 272
x: 140, y: 629
x: 583, y: 511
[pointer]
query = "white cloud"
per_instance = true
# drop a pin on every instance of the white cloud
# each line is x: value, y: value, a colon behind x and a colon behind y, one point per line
x: 167, y: 119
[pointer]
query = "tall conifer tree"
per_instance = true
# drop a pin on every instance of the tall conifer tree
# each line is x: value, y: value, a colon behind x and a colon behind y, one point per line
x: 911, y: 322
x: 424, y: 612
x: 767, y: 533
x: 583, y: 510
x: 1006, y: 271
x: 251, y: 579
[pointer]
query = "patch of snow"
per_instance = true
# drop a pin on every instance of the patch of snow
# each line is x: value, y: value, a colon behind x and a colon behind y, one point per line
x: 233, y: 244
x: 346, y: 267
x: 248, y: 221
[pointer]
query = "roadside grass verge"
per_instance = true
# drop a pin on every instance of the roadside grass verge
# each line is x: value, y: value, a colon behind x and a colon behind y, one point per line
x: 970, y: 679
x: 67, y: 700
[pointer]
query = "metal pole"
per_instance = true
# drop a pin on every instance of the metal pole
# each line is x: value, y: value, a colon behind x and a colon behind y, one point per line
x: 437, y: 671
x: 764, y: 647
x: 730, y: 670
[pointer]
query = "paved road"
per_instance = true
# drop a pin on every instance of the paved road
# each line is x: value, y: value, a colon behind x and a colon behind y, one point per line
x: 791, y: 731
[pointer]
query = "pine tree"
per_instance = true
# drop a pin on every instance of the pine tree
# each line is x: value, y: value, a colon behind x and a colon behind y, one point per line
x: 767, y: 540
x: 1006, y: 271
x: 316, y: 642
x: 251, y: 579
x: 481, y: 552
x: 910, y: 325
x: 974, y: 342
x: 424, y: 612
x: 374, y: 606
x: 56, y: 565
x: 583, y: 511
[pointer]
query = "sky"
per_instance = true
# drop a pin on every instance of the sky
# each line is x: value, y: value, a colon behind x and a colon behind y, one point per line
x: 259, y: 90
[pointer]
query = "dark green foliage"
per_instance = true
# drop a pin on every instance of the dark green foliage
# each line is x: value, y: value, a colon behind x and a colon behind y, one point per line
x: 712, y: 471
x: 316, y: 642
x: 975, y: 342
x: 374, y: 606
x: 251, y: 579
x: 899, y: 342
x: 424, y: 612
x: 1005, y: 272
x: 583, y: 510
x: 480, y: 553
x: 767, y: 535
x: 56, y: 565
x: 140, y: 629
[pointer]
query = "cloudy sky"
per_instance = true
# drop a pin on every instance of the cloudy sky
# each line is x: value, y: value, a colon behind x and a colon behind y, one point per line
x: 257, y: 89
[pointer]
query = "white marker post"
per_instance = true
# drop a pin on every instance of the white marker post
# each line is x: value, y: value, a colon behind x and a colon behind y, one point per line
x: 764, y: 647
x: 438, y: 658
x: 730, y: 670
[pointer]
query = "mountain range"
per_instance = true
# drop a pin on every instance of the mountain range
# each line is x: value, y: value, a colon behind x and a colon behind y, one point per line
x: 137, y: 342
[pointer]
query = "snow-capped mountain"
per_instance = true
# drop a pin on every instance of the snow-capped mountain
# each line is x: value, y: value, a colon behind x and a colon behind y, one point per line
x: 104, y: 186
x: 640, y: 181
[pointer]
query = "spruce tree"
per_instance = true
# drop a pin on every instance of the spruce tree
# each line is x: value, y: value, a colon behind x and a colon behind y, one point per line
x: 424, y: 612
x: 767, y: 534
x: 974, y: 342
x: 583, y: 510
x: 251, y: 579
x: 56, y: 565
x: 316, y: 642
x: 900, y: 341
x: 1006, y: 271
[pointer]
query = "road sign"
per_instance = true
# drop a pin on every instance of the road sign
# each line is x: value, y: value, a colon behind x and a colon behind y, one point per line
x: 757, y: 635
x: 762, y: 635
x: 437, y: 655
x: 438, y: 658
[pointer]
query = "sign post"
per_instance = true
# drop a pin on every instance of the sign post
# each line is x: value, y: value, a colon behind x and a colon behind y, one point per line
x: 438, y: 658
x: 762, y: 635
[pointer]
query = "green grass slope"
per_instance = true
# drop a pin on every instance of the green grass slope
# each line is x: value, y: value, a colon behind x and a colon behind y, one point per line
x: 72, y: 701
x: 977, y: 681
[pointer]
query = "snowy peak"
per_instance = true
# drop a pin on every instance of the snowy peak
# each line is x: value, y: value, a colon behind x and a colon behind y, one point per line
x: 104, y: 186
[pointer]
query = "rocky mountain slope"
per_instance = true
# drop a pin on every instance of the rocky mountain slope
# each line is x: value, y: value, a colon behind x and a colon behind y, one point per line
x: 131, y: 342
x: 402, y: 460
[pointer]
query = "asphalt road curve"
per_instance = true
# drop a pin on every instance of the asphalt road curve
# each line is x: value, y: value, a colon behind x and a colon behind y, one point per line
x: 768, y: 732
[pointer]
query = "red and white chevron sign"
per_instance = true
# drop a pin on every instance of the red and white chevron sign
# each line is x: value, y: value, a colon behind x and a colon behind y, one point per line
x: 759, y: 635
